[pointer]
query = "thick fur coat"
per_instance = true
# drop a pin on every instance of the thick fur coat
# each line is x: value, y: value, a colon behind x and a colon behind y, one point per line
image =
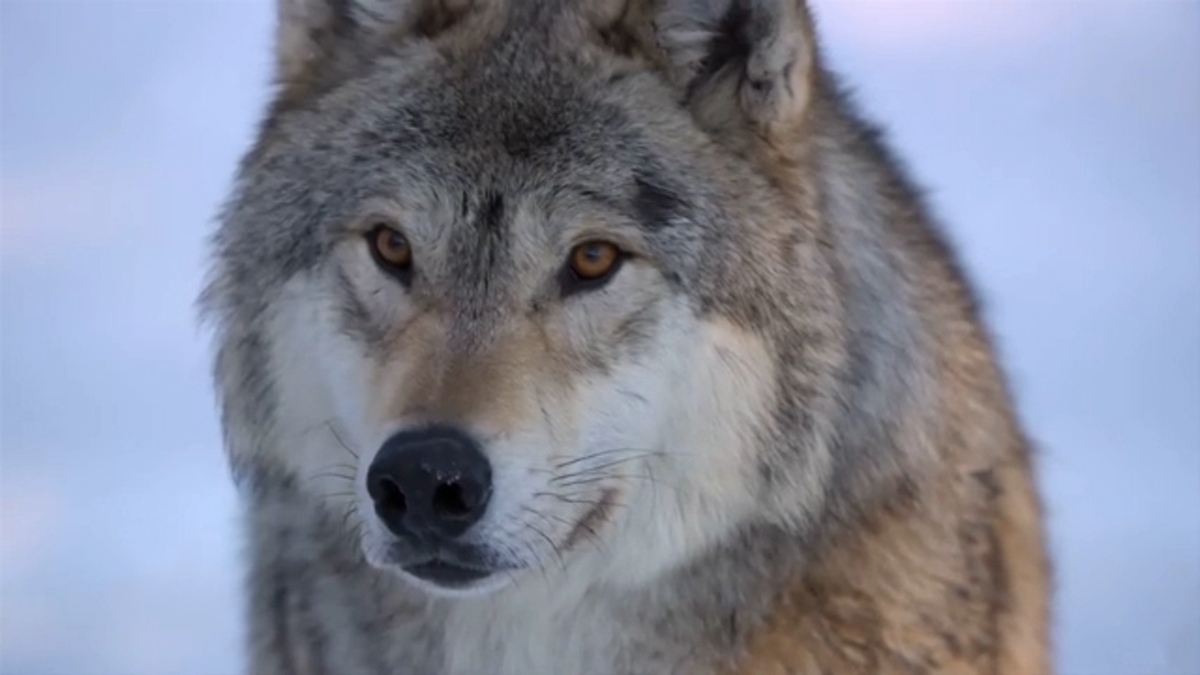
x: 772, y: 439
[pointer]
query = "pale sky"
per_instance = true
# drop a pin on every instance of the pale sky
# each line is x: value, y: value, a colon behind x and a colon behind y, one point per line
x: 1060, y: 141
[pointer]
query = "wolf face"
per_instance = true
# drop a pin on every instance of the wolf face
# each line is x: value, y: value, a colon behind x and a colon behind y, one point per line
x: 603, y: 336
x: 512, y: 299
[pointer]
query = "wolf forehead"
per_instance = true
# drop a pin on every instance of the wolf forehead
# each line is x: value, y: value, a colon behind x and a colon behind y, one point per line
x: 480, y: 136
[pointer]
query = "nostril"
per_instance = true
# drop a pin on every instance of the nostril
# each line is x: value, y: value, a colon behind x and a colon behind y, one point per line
x: 388, y: 496
x: 450, y: 499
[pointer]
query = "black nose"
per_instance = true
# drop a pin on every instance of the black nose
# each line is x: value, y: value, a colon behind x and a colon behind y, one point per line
x: 430, y: 483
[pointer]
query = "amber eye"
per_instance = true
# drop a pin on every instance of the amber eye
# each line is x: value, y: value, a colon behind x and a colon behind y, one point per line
x: 594, y: 260
x: 390, y: 248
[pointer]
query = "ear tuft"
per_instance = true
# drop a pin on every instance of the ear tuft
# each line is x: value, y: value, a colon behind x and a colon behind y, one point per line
x: 752, y: 59
x: 317, y: 38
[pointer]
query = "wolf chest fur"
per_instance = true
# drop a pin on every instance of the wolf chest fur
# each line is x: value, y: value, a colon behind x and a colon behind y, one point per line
x: 605, y: 336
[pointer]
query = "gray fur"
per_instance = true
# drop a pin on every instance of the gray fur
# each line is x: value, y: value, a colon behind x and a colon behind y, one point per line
x: 487, y: 126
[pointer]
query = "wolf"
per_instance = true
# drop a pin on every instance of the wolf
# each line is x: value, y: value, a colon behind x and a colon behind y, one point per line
x: 561, y: 337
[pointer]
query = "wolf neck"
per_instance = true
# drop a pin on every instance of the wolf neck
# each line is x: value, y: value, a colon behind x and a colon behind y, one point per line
x: 685, y: 621
x: 317, y: 602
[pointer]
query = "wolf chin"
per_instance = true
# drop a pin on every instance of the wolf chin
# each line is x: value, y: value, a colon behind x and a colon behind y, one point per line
x: 604, y: 336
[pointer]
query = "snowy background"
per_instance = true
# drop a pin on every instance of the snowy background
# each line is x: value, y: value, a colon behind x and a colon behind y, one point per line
x: 1060, y: 140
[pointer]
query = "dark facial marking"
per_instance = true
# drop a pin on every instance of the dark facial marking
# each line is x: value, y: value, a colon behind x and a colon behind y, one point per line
x: 491, y: 216
x: 655, y: 204
x: 491, y: 227
x: 479, y: 252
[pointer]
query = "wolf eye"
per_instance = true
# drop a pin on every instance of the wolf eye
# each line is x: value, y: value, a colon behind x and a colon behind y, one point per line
x: 390, y: 248
x: 594, y: 260
x: 590, y: 265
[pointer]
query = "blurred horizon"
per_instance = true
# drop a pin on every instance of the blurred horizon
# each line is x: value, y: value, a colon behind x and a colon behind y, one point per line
x: 1059, y: 142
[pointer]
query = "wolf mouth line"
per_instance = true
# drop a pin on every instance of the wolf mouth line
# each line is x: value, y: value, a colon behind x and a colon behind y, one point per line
x: 447, y: 574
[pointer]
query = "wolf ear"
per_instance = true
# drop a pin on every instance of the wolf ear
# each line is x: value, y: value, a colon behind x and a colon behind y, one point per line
x: 316, y: 36
x: 751, y: 60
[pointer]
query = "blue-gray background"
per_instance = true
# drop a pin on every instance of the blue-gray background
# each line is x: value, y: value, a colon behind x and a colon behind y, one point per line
x: 1059, y: 139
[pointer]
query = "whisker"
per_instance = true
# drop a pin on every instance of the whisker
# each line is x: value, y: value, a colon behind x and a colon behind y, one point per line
x: 570, y: 499
x: 516, y: 559
x: 600, y: 467
x: 333, y: 431
x: 567, y: 498
x: 593, y: 535
x: 351, y: 511
x: 553, y: 546
x: 541, y: 565
x: 601, y: 453
x: 348, y: 467
x: 344, y: 493
x: 652, y: 480
x: 560, y: 519
x: 586, y: 481
x: 331, y: 474
x: 633, y: 395
x: 609, y: 476
x: 595, y: 538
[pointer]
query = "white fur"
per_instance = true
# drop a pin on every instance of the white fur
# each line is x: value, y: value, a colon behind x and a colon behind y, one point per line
x: 309, y: 432
x: 689, y: 402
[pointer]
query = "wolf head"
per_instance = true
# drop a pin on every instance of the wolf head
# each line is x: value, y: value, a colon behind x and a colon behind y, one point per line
x: 526, y: 285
